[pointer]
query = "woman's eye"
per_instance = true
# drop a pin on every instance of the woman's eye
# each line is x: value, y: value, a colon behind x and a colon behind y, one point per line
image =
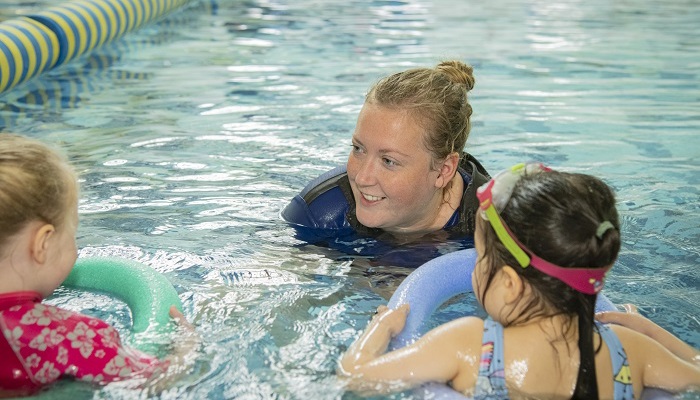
x: 356, y: 148
x: 389, y: 162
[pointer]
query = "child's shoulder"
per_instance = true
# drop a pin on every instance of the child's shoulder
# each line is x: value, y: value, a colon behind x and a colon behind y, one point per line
x: 464, y: 330
x: 468, y: 323
x: 460, y: 330
x: 460, y: 337
x: 50, y: 342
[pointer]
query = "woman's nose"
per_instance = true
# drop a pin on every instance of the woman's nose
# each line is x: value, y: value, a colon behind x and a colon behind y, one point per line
x: 365, y: 175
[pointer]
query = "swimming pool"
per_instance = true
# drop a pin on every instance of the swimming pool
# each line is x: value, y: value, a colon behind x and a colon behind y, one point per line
x: 190, y: 135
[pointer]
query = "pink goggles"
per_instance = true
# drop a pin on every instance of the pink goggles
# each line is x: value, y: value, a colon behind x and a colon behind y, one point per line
x: 494, y: 195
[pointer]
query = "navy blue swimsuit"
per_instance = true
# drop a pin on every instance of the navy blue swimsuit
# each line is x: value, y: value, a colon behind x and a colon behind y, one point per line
x: 324, y: 214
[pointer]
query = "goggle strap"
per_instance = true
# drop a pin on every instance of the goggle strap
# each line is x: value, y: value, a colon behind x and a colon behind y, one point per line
x: 505, y: 237
x: 584, y: 280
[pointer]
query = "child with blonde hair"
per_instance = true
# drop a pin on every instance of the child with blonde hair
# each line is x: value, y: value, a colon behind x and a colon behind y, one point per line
x: 41, y: 343
x: 545, y: 241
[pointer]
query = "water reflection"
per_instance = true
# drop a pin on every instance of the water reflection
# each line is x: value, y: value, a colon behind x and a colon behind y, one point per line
x: 188, y: 146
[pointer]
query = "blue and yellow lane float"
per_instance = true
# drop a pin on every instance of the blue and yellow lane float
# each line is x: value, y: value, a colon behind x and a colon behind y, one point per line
x: 37, y: 42
x: 27, y: 48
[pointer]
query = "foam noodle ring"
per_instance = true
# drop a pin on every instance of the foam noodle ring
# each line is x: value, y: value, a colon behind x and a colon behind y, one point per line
x: 148, y: 293
x: 435, y: 282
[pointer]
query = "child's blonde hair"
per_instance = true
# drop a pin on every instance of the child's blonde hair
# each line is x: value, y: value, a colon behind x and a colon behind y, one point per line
x: 36, y: 183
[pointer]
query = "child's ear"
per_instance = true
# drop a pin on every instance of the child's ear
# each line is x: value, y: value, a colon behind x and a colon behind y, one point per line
x: 513, y: 283
x: 447, y: 170
x: 41, y: 242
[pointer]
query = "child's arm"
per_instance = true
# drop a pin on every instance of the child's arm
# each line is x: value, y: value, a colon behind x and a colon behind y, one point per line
x: 643, y: 325
x: 88, y: 349
x: 437, y: 357
x: 660, y: 368
x: 182, y: 357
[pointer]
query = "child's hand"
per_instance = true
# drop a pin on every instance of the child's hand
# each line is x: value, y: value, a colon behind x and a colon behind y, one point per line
x: 630, y: 318
x: 180, y: 319
x: 188, y: 339
x: 373, y: 342
x: 392, y: 320
x: 182, y: 357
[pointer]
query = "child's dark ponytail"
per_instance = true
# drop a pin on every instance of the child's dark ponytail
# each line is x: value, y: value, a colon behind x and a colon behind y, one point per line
x: 586, y: 382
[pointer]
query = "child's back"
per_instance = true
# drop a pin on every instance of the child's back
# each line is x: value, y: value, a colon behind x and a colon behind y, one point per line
x: 535, y: 364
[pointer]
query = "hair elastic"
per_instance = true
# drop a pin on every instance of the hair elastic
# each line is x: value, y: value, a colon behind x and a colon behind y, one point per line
x: 602, y: 228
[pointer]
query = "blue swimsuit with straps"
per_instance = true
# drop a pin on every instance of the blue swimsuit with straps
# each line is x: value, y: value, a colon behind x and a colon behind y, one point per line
x: 491, y: 383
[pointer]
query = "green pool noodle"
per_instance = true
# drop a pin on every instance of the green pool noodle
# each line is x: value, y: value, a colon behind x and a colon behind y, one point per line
x: 147, y: 292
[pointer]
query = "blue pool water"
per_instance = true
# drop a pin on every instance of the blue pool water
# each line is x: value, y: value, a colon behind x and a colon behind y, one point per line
x: 191, y: 134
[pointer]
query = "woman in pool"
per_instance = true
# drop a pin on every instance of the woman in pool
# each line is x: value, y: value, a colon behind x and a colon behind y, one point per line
x: 407, y: 175
x: 546, y: 240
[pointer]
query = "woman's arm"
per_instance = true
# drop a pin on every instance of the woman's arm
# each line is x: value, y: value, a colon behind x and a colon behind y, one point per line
x: 437, y: 357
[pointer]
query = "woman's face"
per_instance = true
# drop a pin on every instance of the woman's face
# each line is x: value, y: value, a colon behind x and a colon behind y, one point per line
x: 391, y: 172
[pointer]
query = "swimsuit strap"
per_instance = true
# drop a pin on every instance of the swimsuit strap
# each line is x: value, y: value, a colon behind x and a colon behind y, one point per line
x: 474, y: 175
x: 491, y: 382
x: 622, y: 376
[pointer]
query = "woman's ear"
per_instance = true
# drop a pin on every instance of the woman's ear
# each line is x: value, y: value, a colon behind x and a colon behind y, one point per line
x: 41, y: 243
x: 513, y: 284
x: 447, y: 170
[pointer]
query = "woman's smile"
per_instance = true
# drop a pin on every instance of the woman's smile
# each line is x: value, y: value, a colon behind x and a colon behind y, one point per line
x: 371, y: 199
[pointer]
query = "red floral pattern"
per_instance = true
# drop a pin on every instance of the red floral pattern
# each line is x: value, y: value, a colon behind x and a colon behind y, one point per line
x: 44, y: 343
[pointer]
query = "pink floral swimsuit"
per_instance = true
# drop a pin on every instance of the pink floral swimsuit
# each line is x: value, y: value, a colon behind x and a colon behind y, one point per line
x: 41, y: 343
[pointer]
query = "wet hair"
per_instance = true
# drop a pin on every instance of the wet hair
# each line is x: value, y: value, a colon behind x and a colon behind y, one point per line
x: 36, y: 182
x: 437, y: 98
x: 556, y: 216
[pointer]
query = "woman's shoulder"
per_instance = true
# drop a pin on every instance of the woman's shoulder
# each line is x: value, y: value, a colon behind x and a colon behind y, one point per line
x: 321, y: 205
x: 474, y: 175
x: 326, y: 181
x: 475, y: 170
